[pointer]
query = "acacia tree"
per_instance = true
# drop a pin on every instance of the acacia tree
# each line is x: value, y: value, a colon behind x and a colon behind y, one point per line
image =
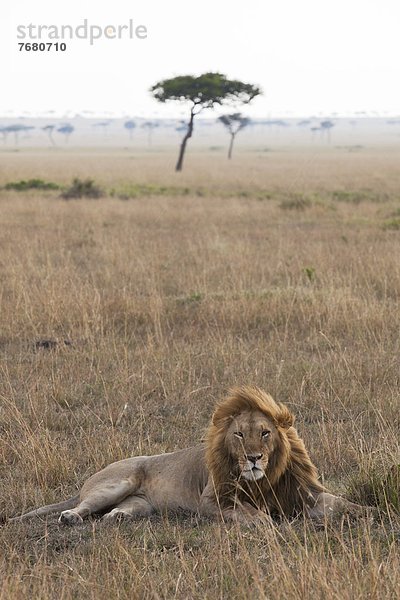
x: 234, y: 123
x: 130, y: 126
x: 327, y: 126
x: 150, y: 126
x: 16, y: 130
x: 103, y: 125
x: 66, y: 130
x: 202, y: 92
x: 49, y: 130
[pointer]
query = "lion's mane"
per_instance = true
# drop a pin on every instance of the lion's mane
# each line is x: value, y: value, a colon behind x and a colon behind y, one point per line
x: 291, y: 480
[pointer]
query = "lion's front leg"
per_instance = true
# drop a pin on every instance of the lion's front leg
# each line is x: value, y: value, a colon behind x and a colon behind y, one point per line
x: 243, y: 513
x: 328, y: 506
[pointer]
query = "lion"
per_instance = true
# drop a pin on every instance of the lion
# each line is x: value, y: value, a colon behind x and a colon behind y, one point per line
x: 251, y: 468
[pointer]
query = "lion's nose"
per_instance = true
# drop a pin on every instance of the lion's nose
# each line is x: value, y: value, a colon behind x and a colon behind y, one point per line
x: 254, y: 457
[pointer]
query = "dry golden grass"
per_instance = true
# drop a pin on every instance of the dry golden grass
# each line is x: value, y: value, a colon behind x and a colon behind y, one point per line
x: 262, y: 272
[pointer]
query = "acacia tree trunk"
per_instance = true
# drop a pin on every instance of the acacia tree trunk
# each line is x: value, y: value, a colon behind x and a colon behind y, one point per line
x: 188, y: 135
x: 231, y: 145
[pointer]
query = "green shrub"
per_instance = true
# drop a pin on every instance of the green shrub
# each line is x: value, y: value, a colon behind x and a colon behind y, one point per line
x: 393, y: 224
x: 31, y: 184
x: 138, y: 190
x: 357, y: 196
x: 82, y: 188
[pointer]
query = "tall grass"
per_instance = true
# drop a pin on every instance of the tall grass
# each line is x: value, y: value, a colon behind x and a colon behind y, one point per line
x: 167, y: 301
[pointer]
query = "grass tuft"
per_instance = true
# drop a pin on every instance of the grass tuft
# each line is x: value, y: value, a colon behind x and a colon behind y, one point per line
x: 378, y: 488
x: 296, y: 203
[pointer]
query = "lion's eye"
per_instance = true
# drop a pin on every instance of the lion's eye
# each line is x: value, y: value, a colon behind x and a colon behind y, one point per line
x: 265, y: 433
x: 238, y: 434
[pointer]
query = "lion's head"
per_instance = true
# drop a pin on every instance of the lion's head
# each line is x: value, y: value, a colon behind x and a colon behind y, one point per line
x: 251, y: 439
x: 254, y: 454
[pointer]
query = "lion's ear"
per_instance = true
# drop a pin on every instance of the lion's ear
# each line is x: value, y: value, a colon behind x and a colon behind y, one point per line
x: 221, y: 416
x: 218, y: 419
x: 284, y: 418
x: 217, y: 416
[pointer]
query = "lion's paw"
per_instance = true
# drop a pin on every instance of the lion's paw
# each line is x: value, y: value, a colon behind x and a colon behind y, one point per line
x: 117, y: 514
x: 70, y: 517
x: 246, y: 518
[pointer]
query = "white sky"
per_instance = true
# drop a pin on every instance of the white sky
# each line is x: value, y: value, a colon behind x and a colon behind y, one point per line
x: 309, y: 56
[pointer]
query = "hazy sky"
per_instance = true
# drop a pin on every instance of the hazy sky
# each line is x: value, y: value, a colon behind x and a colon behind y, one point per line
x: 309, y: 56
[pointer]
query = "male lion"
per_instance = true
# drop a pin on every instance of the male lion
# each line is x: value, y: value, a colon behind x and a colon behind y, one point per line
x: 252, y: 467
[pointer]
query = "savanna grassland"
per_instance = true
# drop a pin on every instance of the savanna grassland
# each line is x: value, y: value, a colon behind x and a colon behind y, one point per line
x: 123, y: 319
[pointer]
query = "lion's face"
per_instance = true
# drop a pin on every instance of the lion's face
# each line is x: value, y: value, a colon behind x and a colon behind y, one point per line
x: 251, y: 438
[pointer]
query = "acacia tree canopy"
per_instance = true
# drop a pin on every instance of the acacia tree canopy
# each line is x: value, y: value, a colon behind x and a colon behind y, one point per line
x: 205, y: 90
x: 234, y: 122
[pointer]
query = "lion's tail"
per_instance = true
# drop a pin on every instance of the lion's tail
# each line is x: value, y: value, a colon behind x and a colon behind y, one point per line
x: 49, y: 509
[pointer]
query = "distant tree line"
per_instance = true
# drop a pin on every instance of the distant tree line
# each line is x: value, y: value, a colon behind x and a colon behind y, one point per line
x: 199, y: 93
